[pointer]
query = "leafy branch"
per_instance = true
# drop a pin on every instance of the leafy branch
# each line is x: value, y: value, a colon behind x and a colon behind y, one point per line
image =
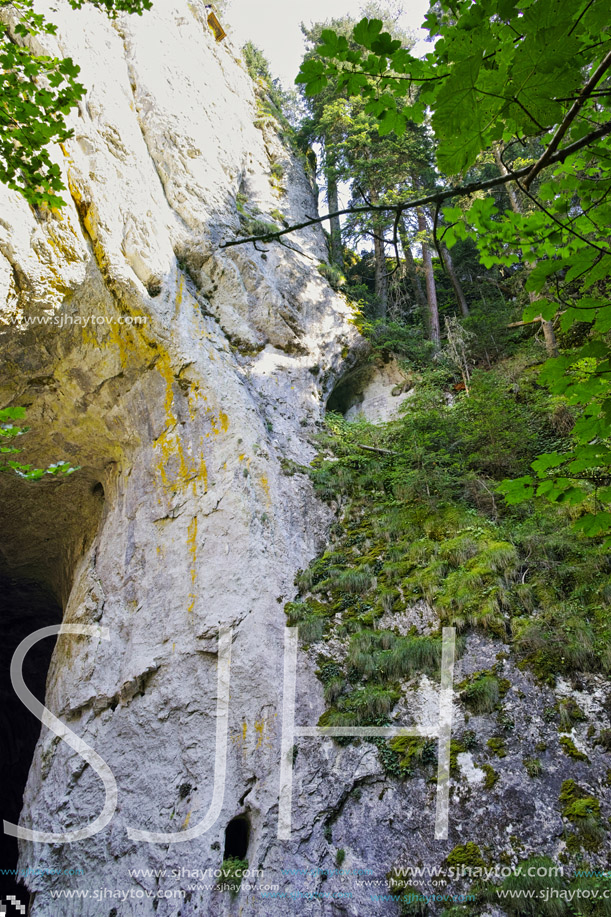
x: 9, y: 432
x: 570, y: 116
x: 37, y: 92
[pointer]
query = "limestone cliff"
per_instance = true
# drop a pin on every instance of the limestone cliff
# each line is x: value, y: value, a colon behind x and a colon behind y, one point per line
x: 181, y: 379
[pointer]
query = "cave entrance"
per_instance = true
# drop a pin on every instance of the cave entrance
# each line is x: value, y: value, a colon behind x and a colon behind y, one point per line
x: 348, y: 394
x: 373, y: 391
x: 45, y: 529
x: 237, y: 834
x: 25, y: 606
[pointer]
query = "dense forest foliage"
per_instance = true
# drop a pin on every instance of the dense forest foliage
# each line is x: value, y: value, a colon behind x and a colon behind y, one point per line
x: 479, y: 176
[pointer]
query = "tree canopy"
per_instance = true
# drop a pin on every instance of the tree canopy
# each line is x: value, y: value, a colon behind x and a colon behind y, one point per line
x: 529, y: 81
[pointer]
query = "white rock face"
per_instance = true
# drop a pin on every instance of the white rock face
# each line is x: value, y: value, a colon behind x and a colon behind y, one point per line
x: 178, y: 376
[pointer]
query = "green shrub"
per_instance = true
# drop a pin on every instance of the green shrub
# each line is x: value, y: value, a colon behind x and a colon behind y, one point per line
x: 533, y: 767
x: 334, y: 689
x: 414, y: 751
x: 570, y: 713
x: 482, y: 694
x: 333, y: 274
x: 232, y: 871
x: 583, y: 810
x: 577, y: 803
x: 412, y: 903
x: 406, y: 341
x: 521, y: 903
x: 254, y: 226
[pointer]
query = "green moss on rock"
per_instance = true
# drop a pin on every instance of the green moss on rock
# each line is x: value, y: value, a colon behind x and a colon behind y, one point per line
x: 570, y: 749
x: 492, y: 776
x: 467, y: 854
x: 497, y: 746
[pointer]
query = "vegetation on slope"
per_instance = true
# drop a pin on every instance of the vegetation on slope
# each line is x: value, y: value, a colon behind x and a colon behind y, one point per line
x: 423, y: 520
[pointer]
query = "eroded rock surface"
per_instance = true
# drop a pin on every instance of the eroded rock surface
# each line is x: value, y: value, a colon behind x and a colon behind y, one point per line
x: 179, y: 377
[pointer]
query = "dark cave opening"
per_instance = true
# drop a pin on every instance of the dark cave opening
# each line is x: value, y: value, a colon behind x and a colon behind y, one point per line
x: 25, y: 606
x: 340, y: 399
x: 348, y: 391
x: 45, y: 530
x: 237, y: 834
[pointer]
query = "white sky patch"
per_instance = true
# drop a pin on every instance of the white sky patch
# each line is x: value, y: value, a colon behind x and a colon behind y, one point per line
x: 274, y: 26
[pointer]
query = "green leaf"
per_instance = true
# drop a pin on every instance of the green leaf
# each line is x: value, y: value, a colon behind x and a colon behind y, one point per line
x: 385, y: 45
x: 544, y: 307
x: 594, y: 524
x: 604, y: 494
x: 392, y: 121
x: 540, y: 273
x: 7, y: 414
x: 518, y: 490
x: 366, y: 32
x: 452, y: 214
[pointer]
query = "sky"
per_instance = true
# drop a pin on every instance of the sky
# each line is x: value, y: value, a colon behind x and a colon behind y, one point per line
x: 273, y: 26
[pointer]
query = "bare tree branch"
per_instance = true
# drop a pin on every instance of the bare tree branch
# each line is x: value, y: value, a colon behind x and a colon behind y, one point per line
x: 568, y: 120
x: 434, y: 197
x: 376, y: 449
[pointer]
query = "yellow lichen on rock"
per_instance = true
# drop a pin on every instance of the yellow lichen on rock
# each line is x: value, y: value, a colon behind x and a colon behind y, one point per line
x: 192, y: 546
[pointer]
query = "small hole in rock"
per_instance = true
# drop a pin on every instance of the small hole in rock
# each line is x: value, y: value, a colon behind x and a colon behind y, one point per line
x: 237, y: 835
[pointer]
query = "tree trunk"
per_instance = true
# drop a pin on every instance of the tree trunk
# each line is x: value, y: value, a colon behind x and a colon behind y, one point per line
x: 381, y: 272
x: 549, y: 335
x: 431, y: 290
x: 412, y: 269
x: 381, y: 278
x: 458, y: 290
x: 335, y: 243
